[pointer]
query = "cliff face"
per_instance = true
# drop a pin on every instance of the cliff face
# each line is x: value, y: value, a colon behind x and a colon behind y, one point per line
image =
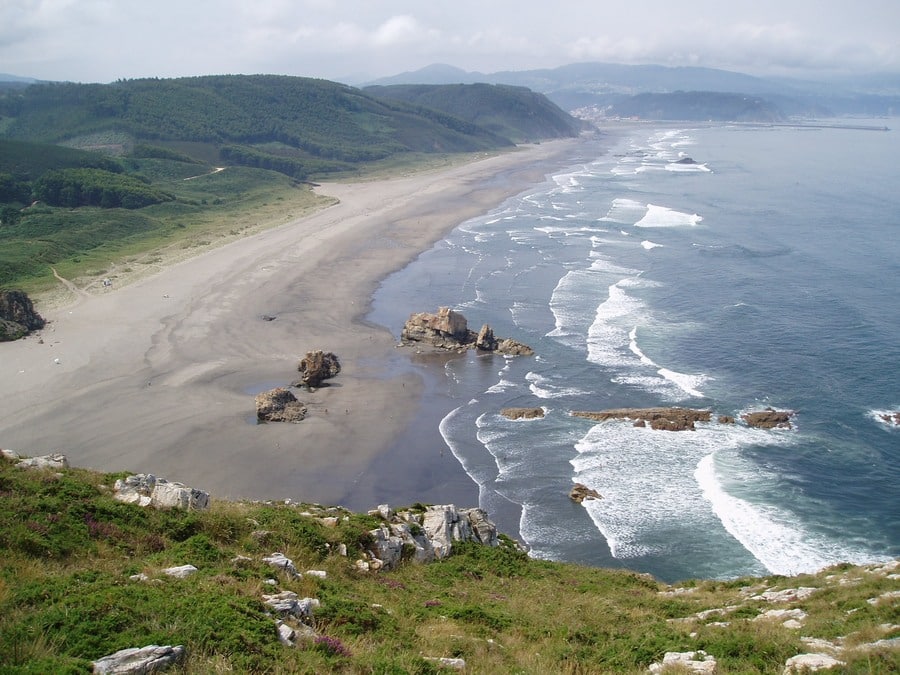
x: 17, y: 316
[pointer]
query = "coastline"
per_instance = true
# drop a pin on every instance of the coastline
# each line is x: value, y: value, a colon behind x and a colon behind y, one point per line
x: 159, y: 376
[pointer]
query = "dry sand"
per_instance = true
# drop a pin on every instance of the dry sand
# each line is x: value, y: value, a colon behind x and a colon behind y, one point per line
x: 159, y: 376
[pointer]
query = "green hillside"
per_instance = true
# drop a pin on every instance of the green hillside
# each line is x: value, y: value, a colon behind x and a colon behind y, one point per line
x: 320, y: 126
x: 91, y: 174
x: 82, y: 576
x: 514, y: 112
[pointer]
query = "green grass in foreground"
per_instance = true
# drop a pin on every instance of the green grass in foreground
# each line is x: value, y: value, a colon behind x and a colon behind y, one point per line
x: 67, y: 550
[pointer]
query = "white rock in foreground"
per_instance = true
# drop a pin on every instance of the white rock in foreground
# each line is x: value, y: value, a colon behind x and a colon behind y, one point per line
x: 180, y: 572
x: 53, y: 461
x: 805, y: 663
x: 139, y: 660
x: 148, y: 490
x: 692, y: 662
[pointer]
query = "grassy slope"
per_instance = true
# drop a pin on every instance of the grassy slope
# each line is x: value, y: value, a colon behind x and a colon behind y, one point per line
x: 67, y: 550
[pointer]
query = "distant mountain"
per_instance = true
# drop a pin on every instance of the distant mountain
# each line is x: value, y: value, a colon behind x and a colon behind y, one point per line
x: 600, y: 85
x: 513, y: 112
x: 698, y: 106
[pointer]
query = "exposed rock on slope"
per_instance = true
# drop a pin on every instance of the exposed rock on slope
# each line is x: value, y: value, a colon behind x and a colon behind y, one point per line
x: 449, y: 330
x: 17, y: 316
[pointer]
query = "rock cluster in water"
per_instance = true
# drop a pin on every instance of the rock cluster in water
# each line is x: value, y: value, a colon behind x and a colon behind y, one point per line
x: 683, y: 419
x: 449, y: 330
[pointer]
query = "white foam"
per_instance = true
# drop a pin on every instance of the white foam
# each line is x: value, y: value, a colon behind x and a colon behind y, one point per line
x: 688, y: 168
x: 649, y: 245
x: 662, y: 216
x: 646, y: 481
x: 546, y: 388
x: 772, y: 535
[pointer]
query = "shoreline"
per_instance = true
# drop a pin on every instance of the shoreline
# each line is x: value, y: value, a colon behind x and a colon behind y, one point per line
x: 159, y: 376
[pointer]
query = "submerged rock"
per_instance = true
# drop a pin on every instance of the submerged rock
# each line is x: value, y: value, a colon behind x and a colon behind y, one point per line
x: 769, y: 419
x: 667, y: 419
x: 522, y: 413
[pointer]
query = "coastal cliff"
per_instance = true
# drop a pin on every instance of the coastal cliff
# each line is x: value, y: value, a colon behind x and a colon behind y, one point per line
x: 105, y: 569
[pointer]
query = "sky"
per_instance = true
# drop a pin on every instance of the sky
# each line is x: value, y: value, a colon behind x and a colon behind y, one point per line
x: 353, y: 41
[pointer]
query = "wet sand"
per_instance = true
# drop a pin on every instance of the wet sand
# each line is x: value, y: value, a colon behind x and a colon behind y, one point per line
x: 159, y: 376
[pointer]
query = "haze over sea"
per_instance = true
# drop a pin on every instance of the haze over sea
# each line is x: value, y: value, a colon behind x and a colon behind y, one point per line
x: 765, y: 274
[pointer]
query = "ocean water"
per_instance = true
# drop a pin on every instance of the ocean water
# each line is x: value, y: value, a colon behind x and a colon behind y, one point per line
x: 765, y: 274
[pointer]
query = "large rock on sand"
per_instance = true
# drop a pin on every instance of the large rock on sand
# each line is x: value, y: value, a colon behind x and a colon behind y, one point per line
x: 450, y: 330
x: 316, y: 367
x: 17, y: 316
x: 279, y: 405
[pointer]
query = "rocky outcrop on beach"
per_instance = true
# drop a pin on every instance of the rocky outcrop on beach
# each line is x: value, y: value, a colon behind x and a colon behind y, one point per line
x: 667, y: 419
x: 580, y: 493
x: 522, y: 413
x: 316, y: 367
x: 17, y: 316
x: 279, y: 405
x: 769, y: 419
x: 449, y: 330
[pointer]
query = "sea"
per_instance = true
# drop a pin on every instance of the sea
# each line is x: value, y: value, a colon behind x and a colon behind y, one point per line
x: 725, y: 267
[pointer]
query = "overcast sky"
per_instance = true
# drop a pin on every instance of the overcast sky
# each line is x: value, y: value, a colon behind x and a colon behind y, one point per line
x: 351, y: 40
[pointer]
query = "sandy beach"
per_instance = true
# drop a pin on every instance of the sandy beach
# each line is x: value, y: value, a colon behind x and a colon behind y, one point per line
x: 159, y: 376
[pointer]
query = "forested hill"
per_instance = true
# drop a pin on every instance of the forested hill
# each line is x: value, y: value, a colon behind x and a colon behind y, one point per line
x: 514, y: 112
x: 298, y: 126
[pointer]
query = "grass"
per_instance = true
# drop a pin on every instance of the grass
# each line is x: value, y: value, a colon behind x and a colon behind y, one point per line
x: 211, y: 207
x: 67, y: 550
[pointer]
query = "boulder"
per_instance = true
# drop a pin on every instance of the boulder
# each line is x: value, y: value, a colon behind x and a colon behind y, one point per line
x: 686, y: 662
x: 486, y: 340
x: 809, y: 663
x: 316, y: 367
x: 17, y: 316
x: 139, y: 660
x: 279, y: 405
x: 580, y: 493
x: 769, y: 419
x: 54, y: 461
x: 148, y: 490
x: 282, y: 563
x: 512, y: 347
x: 446, y: 330
x: 666, y: 419
x: 288, y: 603
x: 522, y: 413
x: 428, y: 536
x: 180, y: 572
x: 449, y: 330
